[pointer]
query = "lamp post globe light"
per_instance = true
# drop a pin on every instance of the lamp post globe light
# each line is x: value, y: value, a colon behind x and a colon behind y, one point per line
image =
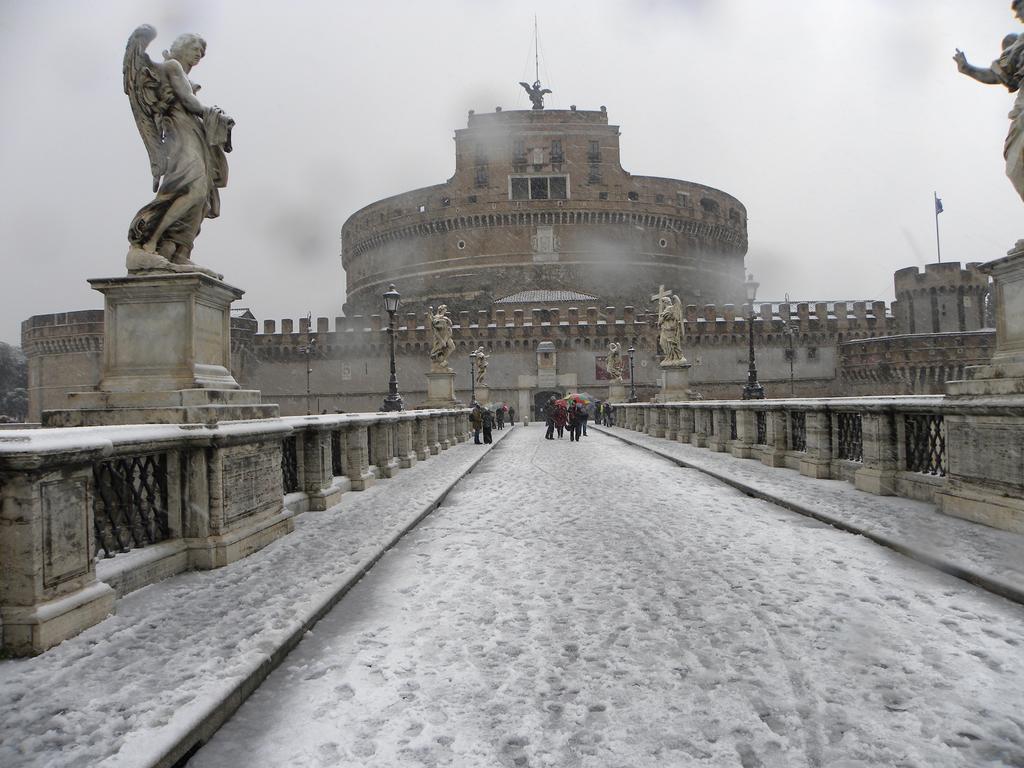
x: 632, y: 378
x: 393, y: 400
x: 752, y: 390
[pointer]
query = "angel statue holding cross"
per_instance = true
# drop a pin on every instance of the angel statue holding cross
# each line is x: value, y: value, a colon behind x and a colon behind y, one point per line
x: 186, y: 142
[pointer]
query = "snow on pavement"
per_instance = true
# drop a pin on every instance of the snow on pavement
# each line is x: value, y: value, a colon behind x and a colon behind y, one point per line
x: 124, y: 690
x: 996, y: 555
x: 593, y: 605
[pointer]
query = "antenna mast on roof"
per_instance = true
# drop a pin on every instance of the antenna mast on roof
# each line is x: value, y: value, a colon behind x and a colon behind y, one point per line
x: 536, y: 51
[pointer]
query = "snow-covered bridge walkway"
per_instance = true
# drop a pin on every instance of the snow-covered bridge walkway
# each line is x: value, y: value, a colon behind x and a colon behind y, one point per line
x: 594, y: 605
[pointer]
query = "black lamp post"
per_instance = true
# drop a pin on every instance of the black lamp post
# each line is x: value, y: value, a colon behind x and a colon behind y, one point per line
x: 307, y: 349
x: 632, y: 378
x: 393, y: 401
x: 753, y: 390
x: 472, y: 379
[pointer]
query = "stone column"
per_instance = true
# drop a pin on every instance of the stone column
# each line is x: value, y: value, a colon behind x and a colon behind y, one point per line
x: 381, y: 449
x: 238, y: 521
x: 442, y: 432
x: 459, y: 427
x: 701, y: 426
x: 433, y: 443
x: 48, y: 587
x: 878, y: 435
x: 774, y: 453
x: 746, y: 434
x: 684, y: 419
x: 719, y: 437
x: 317, y: 474
x: 357, y: 456
x: 655, y: 414
x: 817, y: 461
x: 670, y: 421
x: 420, y: 437
x: 407, y: 455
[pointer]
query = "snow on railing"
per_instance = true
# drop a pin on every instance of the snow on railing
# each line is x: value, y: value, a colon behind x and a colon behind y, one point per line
x: 906, y: 445
x: 153, y: 500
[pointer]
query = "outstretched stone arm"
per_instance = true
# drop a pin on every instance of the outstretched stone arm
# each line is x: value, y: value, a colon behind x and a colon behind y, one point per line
x: 981, y: 74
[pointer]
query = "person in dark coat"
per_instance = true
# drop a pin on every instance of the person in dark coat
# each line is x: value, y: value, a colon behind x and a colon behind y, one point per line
x: 511, y: 416
x: 476, y: 418
x: 500, y: 416
x: 549, y: 419
x: 487, y: 421
x: 561, y: 417
x: 582, y: 414
x: 572, y: 422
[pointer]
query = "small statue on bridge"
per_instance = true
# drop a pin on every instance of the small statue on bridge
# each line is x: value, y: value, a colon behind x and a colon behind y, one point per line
x: 481, y: 365
x: 613, y: 363
x: 441, y: 339
x: 536, y: 93
x: 670, y: 328
x: 1008, y: 71
x: 186, y: 143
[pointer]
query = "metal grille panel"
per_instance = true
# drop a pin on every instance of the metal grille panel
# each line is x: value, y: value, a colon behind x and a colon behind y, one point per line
x: 732, y: 425
x: 337, y: 465
x: 926, y: 444
x: 798, y: 431
x: 851, y: 439
x: 762, y: 427
x: 130, y: 503
x: 290, y: 464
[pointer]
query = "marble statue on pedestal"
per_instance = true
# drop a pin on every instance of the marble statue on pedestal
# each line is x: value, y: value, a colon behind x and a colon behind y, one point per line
x: 670, y: 328
x: 441, y: 345
x: 1008, y: 71
x: 187, y: 144
x: 481, y: 365
x: 613, y: 363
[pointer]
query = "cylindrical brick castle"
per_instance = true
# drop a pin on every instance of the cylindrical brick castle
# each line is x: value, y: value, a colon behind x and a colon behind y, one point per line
x: 539, y: 200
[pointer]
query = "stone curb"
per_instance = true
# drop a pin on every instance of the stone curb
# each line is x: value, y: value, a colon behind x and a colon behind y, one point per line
x: 209, y: 722
x: 987, y: 582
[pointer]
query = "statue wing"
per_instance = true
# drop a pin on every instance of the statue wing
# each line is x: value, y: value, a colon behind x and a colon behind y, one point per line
x: 546, y: 90
x: 677, y: 308
x: 526, y: 86
x: 144, y: 88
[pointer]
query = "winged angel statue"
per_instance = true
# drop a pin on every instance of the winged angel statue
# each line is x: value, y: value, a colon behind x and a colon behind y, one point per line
x: 536, y: 93
x: 670, y: 330
x: 186, y: 143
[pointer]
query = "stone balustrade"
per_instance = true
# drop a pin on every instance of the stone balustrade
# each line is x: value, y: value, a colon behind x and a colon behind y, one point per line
x: 966, y: 455
x: 88, y: 514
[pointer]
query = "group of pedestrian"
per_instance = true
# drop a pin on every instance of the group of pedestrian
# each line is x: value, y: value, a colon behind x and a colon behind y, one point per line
x: 562, y: 415
x: 485, y: 420
x: 604, y: 414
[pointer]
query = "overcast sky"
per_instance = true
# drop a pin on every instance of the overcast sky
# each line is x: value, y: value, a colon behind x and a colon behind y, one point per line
x: 833, y: 122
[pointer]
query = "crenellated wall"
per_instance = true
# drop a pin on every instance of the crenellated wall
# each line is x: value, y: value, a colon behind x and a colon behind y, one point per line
x: 805, y: 349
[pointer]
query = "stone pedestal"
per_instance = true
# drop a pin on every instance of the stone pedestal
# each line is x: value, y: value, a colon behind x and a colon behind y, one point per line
x: 166, y: 356
x: 1004, y: 375
x: 441, y: 390
x: 483, y: 394
x: 675, y: 383
x: 617, y: 392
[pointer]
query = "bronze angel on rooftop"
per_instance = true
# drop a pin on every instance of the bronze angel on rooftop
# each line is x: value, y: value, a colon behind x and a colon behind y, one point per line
x: 536, y: 93
x: 186, y: 142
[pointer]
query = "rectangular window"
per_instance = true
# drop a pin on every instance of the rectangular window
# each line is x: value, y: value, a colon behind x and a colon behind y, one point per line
x: 557, y: 188
x: 481, y: 176
x: 594, y: 153
x: 556, y: 151
x: 520, y: 188
x: 539, y: 188
x: 519, y: 152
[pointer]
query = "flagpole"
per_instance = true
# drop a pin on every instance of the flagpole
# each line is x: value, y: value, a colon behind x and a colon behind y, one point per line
x: 938, y: 210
